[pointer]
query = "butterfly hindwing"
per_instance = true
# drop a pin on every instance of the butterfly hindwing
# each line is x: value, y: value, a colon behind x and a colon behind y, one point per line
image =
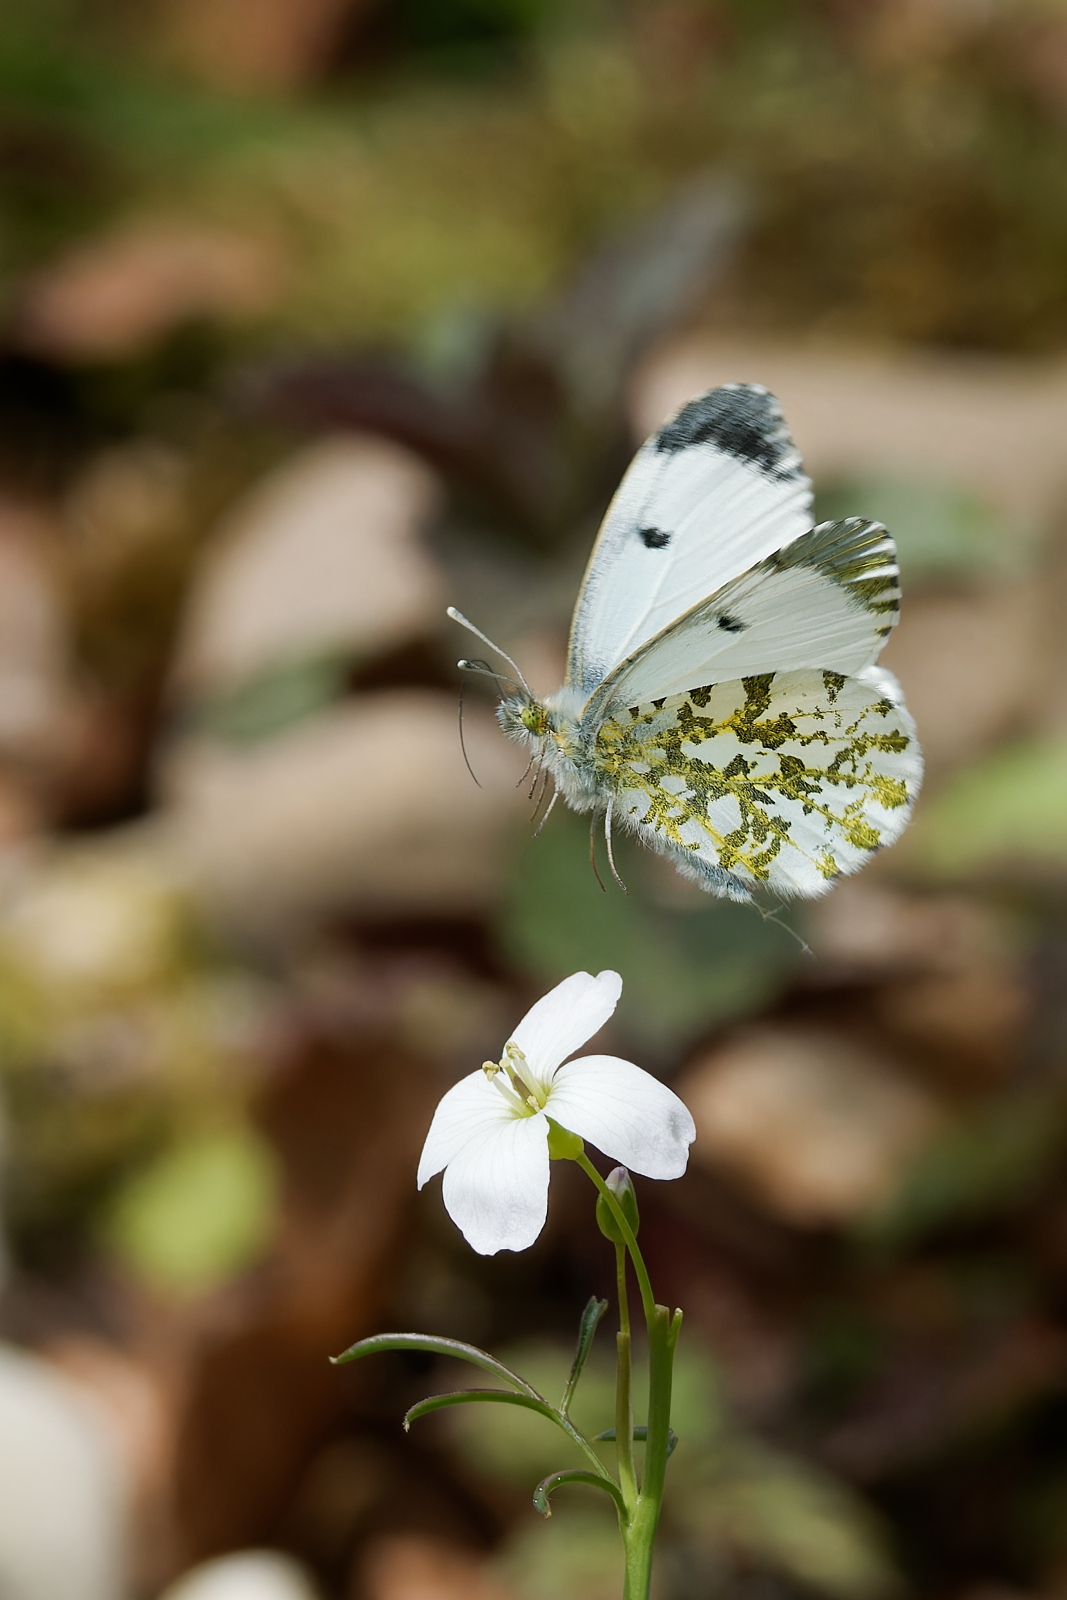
x: 826, y: 600
x: 717, y: 490
x: 783, y: 779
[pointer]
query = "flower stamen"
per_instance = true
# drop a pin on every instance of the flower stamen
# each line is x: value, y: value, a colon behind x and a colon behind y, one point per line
x: 492, y: 1070
x: 519, y: 1068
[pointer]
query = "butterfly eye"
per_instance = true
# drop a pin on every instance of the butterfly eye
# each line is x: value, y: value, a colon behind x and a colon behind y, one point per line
x: 535, y: 718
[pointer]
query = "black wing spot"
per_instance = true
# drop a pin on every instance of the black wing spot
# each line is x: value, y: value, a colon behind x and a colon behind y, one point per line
x: 655, y: 538
x: 741, y: 418
x: 731, y: 624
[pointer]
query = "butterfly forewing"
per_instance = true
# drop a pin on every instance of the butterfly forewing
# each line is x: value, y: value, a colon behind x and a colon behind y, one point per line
x: 714, y: 492
x: 827, y: 600
x: 783, y: 779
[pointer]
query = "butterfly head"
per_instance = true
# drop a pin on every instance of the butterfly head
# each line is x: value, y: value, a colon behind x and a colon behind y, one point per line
x: 524, y: 719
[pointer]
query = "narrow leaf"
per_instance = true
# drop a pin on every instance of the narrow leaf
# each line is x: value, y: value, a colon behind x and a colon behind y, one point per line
x: 462, y: 1397
x: 439, y: 1347
x: 548, y: 1485
x: 532, y: 1402
x: 591, y: 1316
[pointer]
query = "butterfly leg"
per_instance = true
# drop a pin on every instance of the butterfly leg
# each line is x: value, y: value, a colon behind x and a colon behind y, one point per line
x: 592, y: 851
x: 548, y: 813
x: 607, y: 841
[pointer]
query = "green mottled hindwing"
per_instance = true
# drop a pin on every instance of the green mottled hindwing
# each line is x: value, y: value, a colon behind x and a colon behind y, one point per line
x: 787, y: 779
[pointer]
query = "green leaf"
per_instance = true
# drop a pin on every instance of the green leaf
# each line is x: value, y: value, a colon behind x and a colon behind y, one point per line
x: 591, y: 1316
x: 439, y: 1347
x: 199, y: 1214
x: 462, y: 1397
x: 690, y: 962
x: 508, y: 1444
x: 779, y: 1512
x: 549, y: 1485
x: 1006, y: 809
x: 276, y: 698
x: 992, y: 1159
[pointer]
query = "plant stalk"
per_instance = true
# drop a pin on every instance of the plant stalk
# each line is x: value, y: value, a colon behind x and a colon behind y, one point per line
x: 639, y: 1529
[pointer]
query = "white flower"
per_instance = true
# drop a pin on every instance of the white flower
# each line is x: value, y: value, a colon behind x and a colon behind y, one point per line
x: 490, y: 1132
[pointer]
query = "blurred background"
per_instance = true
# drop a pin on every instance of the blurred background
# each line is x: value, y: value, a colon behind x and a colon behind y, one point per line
x: 318, y: 315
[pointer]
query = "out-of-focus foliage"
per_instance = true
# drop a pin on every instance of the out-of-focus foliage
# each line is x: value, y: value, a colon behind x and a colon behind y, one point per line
x: 691, y: 964
x: 732, y: 1496
x: 316, y: 315
x: 198, y: 1215
x: 1003, y: 814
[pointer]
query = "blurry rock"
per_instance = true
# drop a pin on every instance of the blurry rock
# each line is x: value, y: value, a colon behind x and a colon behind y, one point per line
x: 4, y: 1257
x: 411, y: 1567
x: 820, y: 1130
x: 115, y: 295
x: 346, y: 1117
x: 910, y: 31
x: 256, y: 45
x: 325, y: 554
x: 869, y: 928
x: 63, y: 1523
x: 994, y: 426
x: 95, y: 921
x: 367, y: 808
x: 969, y: 663
x: 951, y: 985
x: 972, y: 1021
x: 127, y: 498
x: 249, y: 1575
x: 33, y: 644
x: 137, y: 1407
x: 1040, y: 58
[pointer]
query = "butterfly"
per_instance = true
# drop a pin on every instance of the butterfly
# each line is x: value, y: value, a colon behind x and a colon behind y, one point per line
x: 721, y: 700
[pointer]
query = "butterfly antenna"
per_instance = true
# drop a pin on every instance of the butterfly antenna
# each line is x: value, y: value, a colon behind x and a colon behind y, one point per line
x: 457, y: 616
x: 607, y: 841
x: 548, y: 813
x: 592, y: 851
x: 462, y: 741
x: 486, y: 671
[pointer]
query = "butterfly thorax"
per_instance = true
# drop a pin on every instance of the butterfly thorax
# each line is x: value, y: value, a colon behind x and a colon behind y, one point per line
x: 552, y: 731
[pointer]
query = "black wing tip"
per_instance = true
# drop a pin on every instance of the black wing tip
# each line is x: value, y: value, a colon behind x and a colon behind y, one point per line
x: 744, y: 420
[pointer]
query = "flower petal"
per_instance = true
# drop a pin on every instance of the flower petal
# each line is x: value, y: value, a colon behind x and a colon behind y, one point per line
x: 496, y: 1188
x: 470, y: 1108
x: 625, y: 1112
x: 565, y: 1018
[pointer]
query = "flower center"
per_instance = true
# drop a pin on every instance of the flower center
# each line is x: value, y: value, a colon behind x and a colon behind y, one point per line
x: 513, y: 1076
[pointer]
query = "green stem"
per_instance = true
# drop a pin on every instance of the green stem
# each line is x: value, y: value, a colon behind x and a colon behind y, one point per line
x: 620, y: 1284
x: 639, y: 1528
x: 624, y: 1411
x: 640, y: 1535
x: 624, y: 1424
x: 648, y: 1300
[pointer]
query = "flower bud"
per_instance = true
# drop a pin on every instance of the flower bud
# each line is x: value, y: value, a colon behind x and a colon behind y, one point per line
x: 621, y: 1186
